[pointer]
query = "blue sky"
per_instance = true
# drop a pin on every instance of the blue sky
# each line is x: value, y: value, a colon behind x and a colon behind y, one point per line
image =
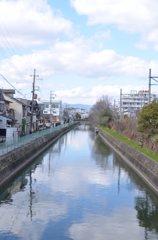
x: 81, y: 49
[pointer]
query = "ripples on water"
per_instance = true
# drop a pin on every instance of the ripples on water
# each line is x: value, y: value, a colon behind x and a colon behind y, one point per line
x: 78, y: 189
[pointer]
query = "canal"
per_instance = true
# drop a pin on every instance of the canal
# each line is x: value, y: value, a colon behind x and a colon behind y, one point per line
x: 78, y: 189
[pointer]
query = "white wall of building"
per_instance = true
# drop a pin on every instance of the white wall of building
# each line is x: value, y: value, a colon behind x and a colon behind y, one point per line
x: 3, y: 121
x: 57, y: 111
x: 17, y: 108
x: 135, y: 100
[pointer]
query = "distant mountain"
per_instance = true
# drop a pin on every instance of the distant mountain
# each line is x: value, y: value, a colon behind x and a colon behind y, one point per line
x: 87, y: 107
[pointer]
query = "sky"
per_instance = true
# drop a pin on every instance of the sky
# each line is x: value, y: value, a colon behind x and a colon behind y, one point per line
x: 81, y: 49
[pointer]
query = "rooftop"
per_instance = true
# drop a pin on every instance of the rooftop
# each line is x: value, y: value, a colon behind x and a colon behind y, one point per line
x: 8, y: 91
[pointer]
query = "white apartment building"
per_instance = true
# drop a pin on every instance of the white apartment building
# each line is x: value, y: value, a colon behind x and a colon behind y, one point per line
x: 135, y: 101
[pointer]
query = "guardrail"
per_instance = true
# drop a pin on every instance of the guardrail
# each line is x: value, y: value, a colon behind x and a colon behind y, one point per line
x: 15, y: 143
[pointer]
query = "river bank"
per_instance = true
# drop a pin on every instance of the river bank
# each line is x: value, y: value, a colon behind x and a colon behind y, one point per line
x: 16, y: 160
x: 144, y: 166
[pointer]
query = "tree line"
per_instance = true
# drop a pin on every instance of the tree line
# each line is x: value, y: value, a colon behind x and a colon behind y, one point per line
x: 146, y: 127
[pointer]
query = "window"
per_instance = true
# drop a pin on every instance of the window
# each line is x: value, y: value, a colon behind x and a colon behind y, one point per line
x: 45, y: 111
x: 55, y: 105
x: 46, y: 105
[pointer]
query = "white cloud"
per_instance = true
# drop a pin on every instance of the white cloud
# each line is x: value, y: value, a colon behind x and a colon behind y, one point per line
x: 131, y: 16
x: 81, y: 95
x: 30, y: 23
x: 128, y: 15
x: 76, y: 58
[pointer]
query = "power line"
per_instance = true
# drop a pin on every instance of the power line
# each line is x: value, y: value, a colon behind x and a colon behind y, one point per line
x: 5, y: 55
x: 12, y: 85
x: 10, y: 50
x: 11, y: 64
x: 11, y: 37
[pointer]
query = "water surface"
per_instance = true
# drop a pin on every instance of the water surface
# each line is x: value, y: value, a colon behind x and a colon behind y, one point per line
x: 78, y: 189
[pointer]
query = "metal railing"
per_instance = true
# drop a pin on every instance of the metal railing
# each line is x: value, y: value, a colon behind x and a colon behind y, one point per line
x: 18, y: 142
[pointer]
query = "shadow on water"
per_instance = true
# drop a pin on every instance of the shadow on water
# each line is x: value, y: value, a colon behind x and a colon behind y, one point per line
x: 146, y: 201
x: 20, y: 181
x: 147, y: 214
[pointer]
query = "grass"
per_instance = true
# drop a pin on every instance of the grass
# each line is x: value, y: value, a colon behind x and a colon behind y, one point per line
x: 131, y: 143
x: 2, y: 166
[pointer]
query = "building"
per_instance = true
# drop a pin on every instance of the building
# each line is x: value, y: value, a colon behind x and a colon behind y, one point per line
x: 18, y: 110
x: 37, y: 116
x: 8, y: 131
x: 17, y: 113
x: 130, y: 103
x: 54, y: 112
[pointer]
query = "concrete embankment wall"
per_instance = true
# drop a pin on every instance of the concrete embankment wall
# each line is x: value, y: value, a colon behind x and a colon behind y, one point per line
x: 15, y: 161
x: 141, y: 164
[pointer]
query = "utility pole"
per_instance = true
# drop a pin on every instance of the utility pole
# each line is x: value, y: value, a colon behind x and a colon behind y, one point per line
x: 50, y: 108
x: 120, y: 103
x: 52, y: 96
x: 149, y: 85
x: 151, y: 78
x: 114, y: 106
x: 33, y: 95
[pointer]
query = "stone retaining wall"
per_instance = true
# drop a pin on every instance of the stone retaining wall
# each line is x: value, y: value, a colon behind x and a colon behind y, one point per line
x: 143, y: 165
x: 13, y: 162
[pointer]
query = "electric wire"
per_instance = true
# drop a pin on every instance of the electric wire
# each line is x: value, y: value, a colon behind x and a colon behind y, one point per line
x: 11, y: 63
x: 12, y: 39
x: 5, y: 54
x: 14, y: 53
x: 12, y: 85
x: 11, y: 52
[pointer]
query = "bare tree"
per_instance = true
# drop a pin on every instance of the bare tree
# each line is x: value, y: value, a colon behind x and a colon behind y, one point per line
x: 101, y: 112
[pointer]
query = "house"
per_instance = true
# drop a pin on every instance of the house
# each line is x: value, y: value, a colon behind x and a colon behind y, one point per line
x: 37, y: 116
x: 16, y: 112
x: 38, y: 112
x: 19, y: 109
x: 7, y: 120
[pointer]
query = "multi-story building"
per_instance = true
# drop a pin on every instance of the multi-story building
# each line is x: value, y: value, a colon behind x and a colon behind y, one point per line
x: 53, y: 114
x: 130, y: 103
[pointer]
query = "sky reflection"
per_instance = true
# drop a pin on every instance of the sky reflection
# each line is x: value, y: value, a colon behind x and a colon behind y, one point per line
x: 77, y: 191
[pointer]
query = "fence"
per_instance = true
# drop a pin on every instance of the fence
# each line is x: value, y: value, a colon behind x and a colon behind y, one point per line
x: 15, y: 143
